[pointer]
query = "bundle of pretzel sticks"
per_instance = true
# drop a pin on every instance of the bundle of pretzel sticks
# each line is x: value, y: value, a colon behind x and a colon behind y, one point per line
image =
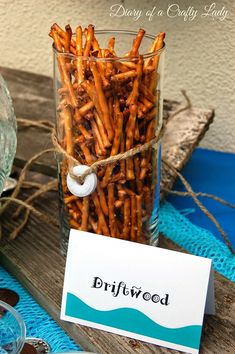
x: 107, y: 105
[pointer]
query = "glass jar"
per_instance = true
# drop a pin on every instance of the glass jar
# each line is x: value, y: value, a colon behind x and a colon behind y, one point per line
x: 7, y: 133
x: 12, y: 330
x: 107, y: 104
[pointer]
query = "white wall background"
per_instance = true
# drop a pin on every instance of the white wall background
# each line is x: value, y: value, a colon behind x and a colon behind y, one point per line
x: 200, y: 56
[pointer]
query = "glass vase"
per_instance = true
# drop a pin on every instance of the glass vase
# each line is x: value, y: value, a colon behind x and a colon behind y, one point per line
x: 12, y: 330
x: 7, y: 133
x: 107, y: 104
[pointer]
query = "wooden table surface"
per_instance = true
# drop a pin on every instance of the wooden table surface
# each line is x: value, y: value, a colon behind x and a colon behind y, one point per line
x: 35, y: 259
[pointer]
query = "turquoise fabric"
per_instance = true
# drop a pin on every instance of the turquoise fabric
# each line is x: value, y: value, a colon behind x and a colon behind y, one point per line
x: 196, y: 240
x: 38, y: 323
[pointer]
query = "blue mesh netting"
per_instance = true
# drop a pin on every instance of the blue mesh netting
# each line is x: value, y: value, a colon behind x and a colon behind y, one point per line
x: 196, y: 240
x: 38, y: 323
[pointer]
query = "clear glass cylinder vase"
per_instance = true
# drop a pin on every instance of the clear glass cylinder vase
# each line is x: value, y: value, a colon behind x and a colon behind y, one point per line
x: 107, y: 104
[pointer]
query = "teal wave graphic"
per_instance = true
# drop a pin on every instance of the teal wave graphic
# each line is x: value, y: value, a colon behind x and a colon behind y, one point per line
x: 132, y: 320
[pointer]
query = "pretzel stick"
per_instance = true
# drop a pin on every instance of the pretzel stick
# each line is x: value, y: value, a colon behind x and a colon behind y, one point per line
x: 64, y: 74
x: 126, y: 218
x: 140, y: 108
x: 139, y: 183
x: 130, y: 175
x: 89, y: 40
x: 130, y: 65
x: 112, y: 224
x: 150, y: 115
x: 133, y: 218
x: 85, y: 108
x: 130, y: 128
x: 91, y: 221
x: 144, y: 163
x: 147, y: 104
x: 147, y: 93
x: 102, y: 101
x: 85, y: 213
x: 99, y: 228
x: 121, y: 192
x: 123, y: 67
x: 111, y: 44
x: 117, y: 177
x: 89, y: 157
x: 122, y: 163
x: 100, y: 215
x: 74, y: 224
x: 148, y: 61
x: 102, y: 199
x: 94, y: 225
x: 67, y: 118
x: 69, y: 199
x: 98, y: 138
x: 79, y: 204
x: 80, y: 75
x: 115, y: 148
x: 138, y: 217
x: 137, y: 132
x: 91, y: 91
x: 98, y: 151
x: 109, y: 64
x: 158, y: 46
x: 63, y: 40
x: 137, y: 42
x: 75, y: 213
x: 132, y: 101
x: 68, y: 37
x: 124, y: 75
x: 154, y: 77
x: 100, y: 65
x: 133, y: 97
x: 101, y: 128
x: 62, y: 33
x: 111, y: 113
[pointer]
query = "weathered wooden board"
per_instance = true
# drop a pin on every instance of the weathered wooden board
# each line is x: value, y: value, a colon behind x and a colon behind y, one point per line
x: 33, y: 99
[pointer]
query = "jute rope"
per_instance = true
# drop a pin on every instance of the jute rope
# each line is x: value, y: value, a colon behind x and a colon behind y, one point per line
x: 22, y: 177
x: 199, y: 194
x: 109, y: 160
x: 199, y: 203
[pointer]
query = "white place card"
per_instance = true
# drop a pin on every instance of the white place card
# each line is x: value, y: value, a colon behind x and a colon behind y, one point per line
x: 143, y: 292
